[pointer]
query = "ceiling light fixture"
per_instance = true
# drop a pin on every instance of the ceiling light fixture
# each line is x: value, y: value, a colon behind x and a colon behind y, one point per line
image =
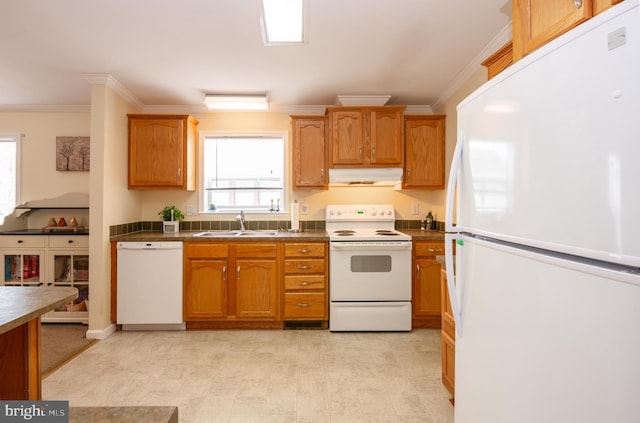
x: 236, y: 102
x: 283, y: 21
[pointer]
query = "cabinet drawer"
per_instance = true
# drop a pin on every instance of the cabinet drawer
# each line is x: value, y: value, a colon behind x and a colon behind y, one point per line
x: 304, y: 305
x: 305, y: 282
x: 205, y: 250
x: 428, y: 249
x: 69, y: 241
x: 22, y: 241
x: 304, y: 266
x: 251, y: 250
x: 304, y: 250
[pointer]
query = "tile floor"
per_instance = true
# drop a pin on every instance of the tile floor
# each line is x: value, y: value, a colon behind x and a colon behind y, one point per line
x: 263, y: 376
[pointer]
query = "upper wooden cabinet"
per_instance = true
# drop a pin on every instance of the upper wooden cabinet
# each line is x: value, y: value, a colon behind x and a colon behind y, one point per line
x: 499, y: 61
x: 425, y: 150
x: 309, y: 152
x: 162, y: 152
x: 370, y: 136
x: 536, y: 22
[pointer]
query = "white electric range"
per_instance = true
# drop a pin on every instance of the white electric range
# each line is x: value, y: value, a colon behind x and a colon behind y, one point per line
x: 369, y: 269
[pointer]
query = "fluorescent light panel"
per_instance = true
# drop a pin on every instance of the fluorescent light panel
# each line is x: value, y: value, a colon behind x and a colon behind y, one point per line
x: 282, y: 21
x: 236, y: 102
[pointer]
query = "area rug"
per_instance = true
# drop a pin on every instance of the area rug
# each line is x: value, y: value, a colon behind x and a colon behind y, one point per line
x: 61, y: 342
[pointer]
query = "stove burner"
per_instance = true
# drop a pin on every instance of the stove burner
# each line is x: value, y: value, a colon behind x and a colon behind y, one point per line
x: 344, y: 232
x: 386, y: 232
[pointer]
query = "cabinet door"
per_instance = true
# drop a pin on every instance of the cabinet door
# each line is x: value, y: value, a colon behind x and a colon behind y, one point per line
x: 23, y: 267
x: 205, y: 288
x: 427, y: 301
x: 256, y: 289
x: 386, y: 137
x: 309, y: 152
x: 162, y: 152
x: 347, y: 146
x: 536, y: 22
x: 425, y: 149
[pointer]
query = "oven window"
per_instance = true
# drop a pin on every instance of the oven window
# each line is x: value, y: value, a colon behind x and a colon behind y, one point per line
x: 371, y: 264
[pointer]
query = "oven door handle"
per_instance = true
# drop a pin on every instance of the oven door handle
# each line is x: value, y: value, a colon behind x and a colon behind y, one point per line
x: 371, y: 246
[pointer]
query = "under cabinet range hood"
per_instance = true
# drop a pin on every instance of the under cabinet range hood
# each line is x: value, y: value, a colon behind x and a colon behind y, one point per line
x: 366, y: 177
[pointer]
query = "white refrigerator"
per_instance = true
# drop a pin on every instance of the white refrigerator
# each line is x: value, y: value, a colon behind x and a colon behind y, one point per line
x: 545, y: 184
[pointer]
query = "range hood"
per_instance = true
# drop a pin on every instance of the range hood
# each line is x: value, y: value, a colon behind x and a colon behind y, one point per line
x: 366, y: 177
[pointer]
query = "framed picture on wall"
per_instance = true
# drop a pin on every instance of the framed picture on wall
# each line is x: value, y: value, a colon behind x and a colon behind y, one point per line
x: 72, y: 154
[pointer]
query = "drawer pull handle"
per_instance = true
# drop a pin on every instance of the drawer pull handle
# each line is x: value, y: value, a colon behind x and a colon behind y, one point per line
x: 238, y: 272
x: 70, y: 241
x: 417, y: 272
x: 305, y: 251
x: 304, y: 305
x: 304, y: 267
x: 224, y: 273
x: 304, y: 283
x: 20, y: 241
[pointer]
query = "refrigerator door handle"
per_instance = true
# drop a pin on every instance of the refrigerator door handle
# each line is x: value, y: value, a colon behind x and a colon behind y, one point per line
x: 451, y: 282
x: 451, y: 185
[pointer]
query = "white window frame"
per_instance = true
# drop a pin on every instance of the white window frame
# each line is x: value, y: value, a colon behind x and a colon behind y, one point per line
x: 203, y: 208
x: 15, y: 138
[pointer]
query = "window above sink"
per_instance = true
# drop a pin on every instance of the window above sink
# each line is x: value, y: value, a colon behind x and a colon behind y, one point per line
x: 243, y: 172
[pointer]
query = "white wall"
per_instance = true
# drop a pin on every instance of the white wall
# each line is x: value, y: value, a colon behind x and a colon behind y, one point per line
x: 111, y: 202
x: 39, y: 177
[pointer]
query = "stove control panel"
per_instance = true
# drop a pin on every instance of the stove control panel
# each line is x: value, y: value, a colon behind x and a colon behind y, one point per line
x: 358, y: 212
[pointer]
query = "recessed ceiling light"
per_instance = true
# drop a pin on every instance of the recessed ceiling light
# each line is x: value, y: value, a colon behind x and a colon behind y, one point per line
x: 282, y: 21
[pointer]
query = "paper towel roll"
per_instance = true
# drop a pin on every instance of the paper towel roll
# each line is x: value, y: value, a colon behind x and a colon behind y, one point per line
x: 295, y: 216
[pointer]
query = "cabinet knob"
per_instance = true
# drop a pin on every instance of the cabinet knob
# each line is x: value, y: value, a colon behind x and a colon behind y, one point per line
x: 20, y: 241
x: 578, y: 3
x: 70, y: 241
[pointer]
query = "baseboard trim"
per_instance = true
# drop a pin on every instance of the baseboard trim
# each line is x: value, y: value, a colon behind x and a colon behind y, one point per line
x: 102, y: 333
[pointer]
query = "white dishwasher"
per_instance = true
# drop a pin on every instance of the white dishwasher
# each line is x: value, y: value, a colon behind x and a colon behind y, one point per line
x: 149, y: 292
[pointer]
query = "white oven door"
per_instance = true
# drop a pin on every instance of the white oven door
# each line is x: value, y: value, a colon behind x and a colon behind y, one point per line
x: 370, y: 271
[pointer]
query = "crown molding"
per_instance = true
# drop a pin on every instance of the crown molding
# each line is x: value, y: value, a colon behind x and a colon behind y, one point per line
x: 496, y: 43
x: 417, y: 109
x: 111, y: 82
x: 45, y: 108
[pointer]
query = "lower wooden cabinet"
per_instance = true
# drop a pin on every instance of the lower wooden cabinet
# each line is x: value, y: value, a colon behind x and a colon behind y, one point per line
x: 254, y: 284
x: 426, y: 284
x: 230, y: 282
x: 305, y: 281
x: 448, y: 336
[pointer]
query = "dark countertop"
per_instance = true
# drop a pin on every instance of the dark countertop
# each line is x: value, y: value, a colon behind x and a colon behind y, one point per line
x: 149, y: 236
x: 140, y: 414
x: 19, y: 305
x: 307, y: 235
x: 47, y: 232
x: 419, y: 235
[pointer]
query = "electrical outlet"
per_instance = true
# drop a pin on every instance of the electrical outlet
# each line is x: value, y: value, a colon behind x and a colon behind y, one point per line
x: 192, y: 210
x: 415, y: 209
x: 303, y: 208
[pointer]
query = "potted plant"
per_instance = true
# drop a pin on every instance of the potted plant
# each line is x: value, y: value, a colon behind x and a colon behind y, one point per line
x: 171, y: 217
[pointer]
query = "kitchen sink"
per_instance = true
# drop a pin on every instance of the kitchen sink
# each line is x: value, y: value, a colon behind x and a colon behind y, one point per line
x: 244, y: 234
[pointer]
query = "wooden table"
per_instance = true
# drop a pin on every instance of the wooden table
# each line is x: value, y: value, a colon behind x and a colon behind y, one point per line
x: 20, y: 311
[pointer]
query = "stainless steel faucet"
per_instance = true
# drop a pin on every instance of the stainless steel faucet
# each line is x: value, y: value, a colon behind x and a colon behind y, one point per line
x: 243, y: 223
